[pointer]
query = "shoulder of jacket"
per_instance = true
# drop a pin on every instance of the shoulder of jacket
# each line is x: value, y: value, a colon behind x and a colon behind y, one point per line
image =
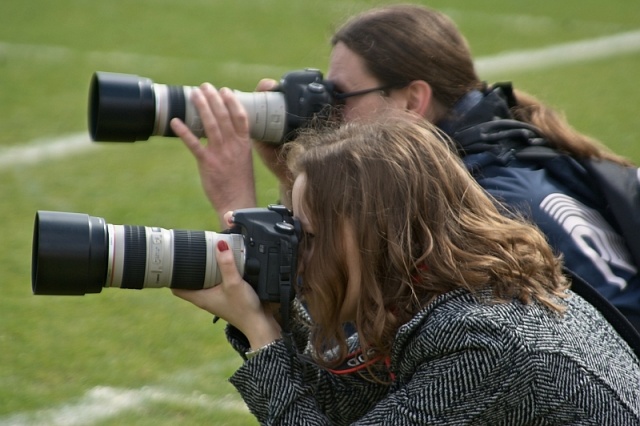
x: 459, y: 313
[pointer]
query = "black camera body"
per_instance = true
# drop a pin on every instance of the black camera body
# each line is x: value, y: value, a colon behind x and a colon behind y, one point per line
x: 307, y: 96
x: 271, y: 238
x: 75, y: 254
x: 129, y: 108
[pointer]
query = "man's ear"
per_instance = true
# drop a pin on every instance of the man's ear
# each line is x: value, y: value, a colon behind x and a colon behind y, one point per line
x: 420, y: 98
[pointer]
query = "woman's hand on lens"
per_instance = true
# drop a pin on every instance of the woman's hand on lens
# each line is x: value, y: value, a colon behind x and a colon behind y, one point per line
x: 235, y: 301
x: 224, y: 161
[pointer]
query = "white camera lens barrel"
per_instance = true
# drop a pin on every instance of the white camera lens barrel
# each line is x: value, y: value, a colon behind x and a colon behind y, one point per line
x: 129, y: 108
x: 76, y: 254
x: 266, y: 112
x: 152, y: 257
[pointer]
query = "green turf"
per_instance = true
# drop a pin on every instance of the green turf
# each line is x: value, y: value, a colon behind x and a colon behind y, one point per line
x: 58, y: 351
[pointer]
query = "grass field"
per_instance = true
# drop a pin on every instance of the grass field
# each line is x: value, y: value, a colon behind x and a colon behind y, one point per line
x: 147, y: 358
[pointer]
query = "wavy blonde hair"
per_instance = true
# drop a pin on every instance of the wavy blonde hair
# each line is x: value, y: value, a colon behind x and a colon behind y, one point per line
x: 422, y: 225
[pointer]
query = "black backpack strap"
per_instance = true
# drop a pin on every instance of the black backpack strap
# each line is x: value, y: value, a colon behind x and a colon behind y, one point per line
x: 536, y: 153
x: 619, y: 322
x: 620, y: 188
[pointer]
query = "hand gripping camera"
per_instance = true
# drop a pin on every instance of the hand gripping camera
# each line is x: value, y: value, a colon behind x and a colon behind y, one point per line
x: 75, y: 254
x: 129, y: 108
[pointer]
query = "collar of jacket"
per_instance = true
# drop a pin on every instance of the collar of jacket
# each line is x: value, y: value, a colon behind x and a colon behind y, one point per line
x: 482, y: 122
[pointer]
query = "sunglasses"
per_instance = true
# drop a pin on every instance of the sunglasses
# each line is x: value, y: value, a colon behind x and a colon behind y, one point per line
x: 341, y: 96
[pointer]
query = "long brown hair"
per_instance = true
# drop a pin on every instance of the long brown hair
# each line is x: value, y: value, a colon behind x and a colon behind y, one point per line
x: 403, y: 43
x: 422, y: 225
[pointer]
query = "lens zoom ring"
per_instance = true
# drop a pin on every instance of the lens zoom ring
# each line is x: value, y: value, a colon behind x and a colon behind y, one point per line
x: 135, y: 257
x: 177, y: 105
x: 190, y: 259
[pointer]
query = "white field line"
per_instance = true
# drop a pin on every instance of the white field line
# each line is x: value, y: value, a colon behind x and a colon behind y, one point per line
x: 567, y: 53
x: 104, y: 402
x: 45, y: 150
x: 101, y: 403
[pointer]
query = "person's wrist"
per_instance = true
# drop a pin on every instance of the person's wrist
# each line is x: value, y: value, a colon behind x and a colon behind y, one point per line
x: 266, y: 332
x: 251, y: 353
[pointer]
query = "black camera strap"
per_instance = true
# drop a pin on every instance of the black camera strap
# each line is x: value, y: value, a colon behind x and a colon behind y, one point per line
x: 286, y: 276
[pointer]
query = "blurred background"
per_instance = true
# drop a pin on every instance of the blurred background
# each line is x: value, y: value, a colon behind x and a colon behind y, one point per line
x: 146, y: 357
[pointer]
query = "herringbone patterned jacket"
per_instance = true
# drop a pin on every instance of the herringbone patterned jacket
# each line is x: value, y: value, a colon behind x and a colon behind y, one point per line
x: 462, y: 360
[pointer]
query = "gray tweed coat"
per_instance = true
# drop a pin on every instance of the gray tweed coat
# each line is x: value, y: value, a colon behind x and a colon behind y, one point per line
x: 462, y: 360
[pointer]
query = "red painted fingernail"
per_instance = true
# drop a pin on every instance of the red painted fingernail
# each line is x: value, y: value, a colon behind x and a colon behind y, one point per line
x: 222, y: 245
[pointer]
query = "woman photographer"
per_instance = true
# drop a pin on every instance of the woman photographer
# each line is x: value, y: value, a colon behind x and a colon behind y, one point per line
x: 432, y: 74
x: 462, y: 314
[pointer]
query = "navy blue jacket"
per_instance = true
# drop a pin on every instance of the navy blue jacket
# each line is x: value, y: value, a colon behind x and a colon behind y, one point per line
x: 556, y: 193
